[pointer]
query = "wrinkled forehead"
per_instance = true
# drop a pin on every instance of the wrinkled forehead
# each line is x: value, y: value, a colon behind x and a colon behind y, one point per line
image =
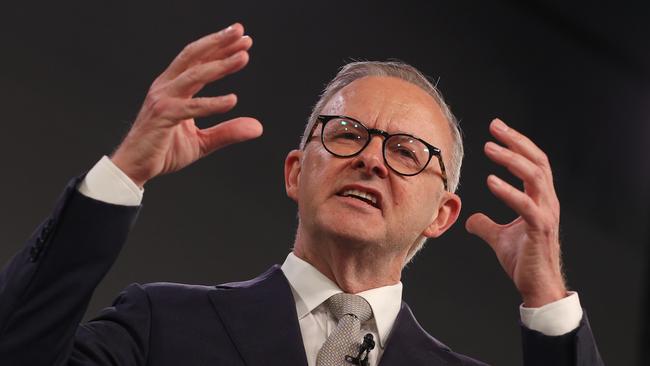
x: 392, y: 105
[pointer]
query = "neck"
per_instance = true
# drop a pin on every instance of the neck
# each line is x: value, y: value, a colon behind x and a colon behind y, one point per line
x: 354, y: 267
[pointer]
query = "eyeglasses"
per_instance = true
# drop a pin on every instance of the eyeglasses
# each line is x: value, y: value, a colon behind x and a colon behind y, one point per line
x: 407, y: 155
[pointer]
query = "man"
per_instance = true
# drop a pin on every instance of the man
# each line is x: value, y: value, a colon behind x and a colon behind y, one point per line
x: 374, y: 177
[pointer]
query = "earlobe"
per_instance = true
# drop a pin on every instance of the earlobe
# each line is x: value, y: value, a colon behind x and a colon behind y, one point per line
x: 292, y: 165
x: 448, y: 213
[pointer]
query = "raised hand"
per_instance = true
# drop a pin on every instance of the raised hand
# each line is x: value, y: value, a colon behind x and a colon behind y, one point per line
x: 164, y: 137
x: 528, y: 248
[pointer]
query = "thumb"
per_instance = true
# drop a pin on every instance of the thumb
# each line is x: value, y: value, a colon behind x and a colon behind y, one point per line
x: 483, y: 227
x: 229, y: 132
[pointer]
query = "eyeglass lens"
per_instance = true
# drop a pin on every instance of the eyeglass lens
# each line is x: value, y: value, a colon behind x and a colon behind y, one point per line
x: 403, y: 153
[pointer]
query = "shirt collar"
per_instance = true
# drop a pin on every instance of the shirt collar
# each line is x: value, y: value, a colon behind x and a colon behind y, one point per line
x: 311, y: 288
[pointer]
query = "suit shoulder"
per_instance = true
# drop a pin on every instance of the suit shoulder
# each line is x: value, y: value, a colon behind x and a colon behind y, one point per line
x: 411, y: 332
x: 166, y: 295
x: 271, y: 272
x: 180, y: 289
x: 157, y: 289
x: 464, y: 359
x: 181, y: 294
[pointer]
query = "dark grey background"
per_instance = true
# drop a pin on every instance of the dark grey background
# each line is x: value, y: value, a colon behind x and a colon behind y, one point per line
x: 575, y: 77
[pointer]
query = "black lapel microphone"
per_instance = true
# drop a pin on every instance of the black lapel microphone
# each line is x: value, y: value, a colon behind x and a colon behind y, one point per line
x: 364, y: 350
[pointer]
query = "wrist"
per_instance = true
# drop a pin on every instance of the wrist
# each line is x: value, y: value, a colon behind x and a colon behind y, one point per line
x: 126, y: 167
x: 538, y: 299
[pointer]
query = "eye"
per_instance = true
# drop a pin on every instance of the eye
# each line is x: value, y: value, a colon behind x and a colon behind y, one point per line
x: 347, y: 135
x: 342, y: 130
x: 405, y: 152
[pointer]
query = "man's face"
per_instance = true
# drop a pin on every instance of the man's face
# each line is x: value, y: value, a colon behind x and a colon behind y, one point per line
x: 407, y: 206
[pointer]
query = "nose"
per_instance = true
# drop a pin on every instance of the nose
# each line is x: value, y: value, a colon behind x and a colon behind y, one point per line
x: 371, y: 159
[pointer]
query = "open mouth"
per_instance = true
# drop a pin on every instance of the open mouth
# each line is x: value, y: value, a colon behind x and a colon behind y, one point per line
x: 366, y: 197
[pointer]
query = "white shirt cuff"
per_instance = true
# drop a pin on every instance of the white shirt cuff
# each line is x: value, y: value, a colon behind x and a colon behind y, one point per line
x: 554, y: 319
x: 107, y: 183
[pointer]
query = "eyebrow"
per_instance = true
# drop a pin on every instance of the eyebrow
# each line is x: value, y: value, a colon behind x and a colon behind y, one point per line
x: 392, y: 133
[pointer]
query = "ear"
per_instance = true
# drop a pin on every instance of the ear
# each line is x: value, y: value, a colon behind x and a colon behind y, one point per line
x: 292, y: 173
x: 448, y: 212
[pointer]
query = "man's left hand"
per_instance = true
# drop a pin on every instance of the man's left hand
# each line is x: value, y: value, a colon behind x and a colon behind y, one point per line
x: 528, y: 248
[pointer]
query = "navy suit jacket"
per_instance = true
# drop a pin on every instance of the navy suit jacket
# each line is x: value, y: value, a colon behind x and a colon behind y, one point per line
x: 46, y: 287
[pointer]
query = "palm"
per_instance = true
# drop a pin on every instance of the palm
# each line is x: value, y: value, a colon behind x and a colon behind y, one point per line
x: 519, y: 254
x: 510, y: 241
x: 185, y: 147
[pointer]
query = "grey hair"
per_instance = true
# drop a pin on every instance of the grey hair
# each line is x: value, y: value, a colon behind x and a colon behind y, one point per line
x: 360, y: 69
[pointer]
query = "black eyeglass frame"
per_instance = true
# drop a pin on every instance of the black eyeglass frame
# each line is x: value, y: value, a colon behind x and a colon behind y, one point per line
x: 324, y: 119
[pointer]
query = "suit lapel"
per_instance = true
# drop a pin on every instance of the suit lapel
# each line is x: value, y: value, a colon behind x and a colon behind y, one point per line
x: 409, y: 344
x: 260, y: 316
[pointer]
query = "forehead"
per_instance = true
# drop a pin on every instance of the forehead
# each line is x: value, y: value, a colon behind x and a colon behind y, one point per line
x: 393, y: 105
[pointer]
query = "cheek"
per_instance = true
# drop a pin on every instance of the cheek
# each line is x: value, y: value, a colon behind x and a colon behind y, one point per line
x: 416, y: 204
x: 316, y: 176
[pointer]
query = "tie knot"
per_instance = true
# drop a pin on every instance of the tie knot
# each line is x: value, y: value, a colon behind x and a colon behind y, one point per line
x: 343, y: 304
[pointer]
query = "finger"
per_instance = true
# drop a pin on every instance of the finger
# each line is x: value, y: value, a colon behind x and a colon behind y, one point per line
x: 243, y: 44
x: 229, y: 132
x: 483, y: 227
x: 534, y: 177
x: 194, y: 79
x: 517, y: 200
x: 180, y: 109
x: 198, y: 49
x: 519, y: 143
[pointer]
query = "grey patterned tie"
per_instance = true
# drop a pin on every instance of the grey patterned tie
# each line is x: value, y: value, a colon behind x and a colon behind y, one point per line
x: 345, y: 339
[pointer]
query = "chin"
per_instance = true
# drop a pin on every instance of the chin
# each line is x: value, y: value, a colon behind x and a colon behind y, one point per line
x: 350, y: 230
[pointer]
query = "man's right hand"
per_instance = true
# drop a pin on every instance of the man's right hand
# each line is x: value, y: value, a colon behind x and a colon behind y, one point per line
x: 164, y: 137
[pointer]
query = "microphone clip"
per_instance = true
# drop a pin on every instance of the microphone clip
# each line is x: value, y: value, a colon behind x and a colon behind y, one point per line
x: 364, y: 350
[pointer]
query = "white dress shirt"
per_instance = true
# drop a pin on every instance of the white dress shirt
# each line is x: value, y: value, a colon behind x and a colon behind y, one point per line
x: 107, y: 183
x: 311, y: 288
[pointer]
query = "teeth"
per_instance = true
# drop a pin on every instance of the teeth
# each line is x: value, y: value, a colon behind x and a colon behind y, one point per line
x: 367, y: 196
